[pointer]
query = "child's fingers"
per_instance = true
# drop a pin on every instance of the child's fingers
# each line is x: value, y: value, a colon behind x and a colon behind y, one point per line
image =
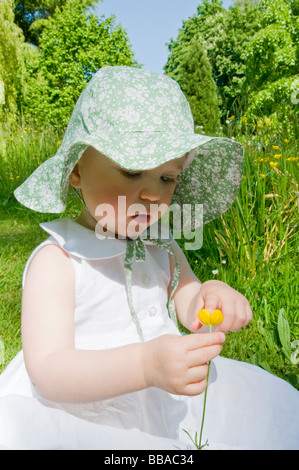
x: 203, y: 355
x: 244, y: 315
x: 195, y: 388
x: 236, y: 315
x: 196, y: 325
x: 211, y: 302
x: 197, y: 375
x: 194, y: 341
x: 228, y: 312
x: 248, y: 313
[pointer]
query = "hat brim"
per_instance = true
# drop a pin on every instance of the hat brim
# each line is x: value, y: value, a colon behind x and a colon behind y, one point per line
x: 212, y: 178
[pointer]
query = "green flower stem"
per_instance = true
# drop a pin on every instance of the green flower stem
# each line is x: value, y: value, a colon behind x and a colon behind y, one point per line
x: 200, y: 445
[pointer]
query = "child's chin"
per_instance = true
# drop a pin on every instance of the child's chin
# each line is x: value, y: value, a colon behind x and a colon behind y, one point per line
x: 137, y: 231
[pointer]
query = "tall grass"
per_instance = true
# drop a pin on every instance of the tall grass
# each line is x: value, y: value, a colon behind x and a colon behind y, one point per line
x: 22, y: 149
x: 253, y: 247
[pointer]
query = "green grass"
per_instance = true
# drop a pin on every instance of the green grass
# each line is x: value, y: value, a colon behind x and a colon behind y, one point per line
x: 18, y: 238
x: 253, y: 247
x: 19, y: 235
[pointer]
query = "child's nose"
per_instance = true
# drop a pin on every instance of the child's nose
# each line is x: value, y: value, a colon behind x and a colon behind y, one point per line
x: 150, y: 193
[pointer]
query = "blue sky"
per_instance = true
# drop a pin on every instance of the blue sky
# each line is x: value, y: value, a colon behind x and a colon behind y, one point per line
x: 150, y: 24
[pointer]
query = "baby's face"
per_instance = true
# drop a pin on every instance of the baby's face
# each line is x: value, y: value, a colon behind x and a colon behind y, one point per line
x: 102, y: 182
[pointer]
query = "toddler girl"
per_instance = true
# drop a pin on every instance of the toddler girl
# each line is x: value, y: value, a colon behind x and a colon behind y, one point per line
x: 104, y: 364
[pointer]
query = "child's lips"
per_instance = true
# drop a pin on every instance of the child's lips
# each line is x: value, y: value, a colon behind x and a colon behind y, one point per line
x: 141, y: 218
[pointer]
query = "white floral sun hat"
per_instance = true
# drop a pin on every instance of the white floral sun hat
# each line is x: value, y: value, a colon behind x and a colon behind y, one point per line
x: 140, y: 120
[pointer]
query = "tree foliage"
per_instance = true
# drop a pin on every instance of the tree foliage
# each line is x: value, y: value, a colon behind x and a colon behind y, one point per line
x: 31, y: 15
x: 11, y: 63
x: 225, y: 35
x: 272, y: 63
x: 253, y: 50
x: 194, y: 74
x: 74, y: 44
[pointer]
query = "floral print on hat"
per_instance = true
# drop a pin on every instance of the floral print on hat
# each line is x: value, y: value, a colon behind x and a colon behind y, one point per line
x: 140, y: 120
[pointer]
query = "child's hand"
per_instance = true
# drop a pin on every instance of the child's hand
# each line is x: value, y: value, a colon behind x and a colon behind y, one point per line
x: 178, y: 364
x: 218, y: 295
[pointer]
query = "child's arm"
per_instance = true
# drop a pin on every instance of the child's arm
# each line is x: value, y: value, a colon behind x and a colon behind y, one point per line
x: 62, y: 373
x: 191, y: 296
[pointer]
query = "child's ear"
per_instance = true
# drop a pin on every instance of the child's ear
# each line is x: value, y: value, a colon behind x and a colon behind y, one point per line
x: 75, y: 179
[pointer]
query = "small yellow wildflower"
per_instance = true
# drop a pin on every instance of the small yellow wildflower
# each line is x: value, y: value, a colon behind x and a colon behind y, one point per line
x: 207, y: 318
x: 286, y: 141
x: 277, y: 156
x: 231, y: 118
x: 262, y: 175
x: 212, y: 320
x: 275, y: 147
x: 273, y: 164
x: 292, y: 159
x: 244, y: 119
x: 58, y: 143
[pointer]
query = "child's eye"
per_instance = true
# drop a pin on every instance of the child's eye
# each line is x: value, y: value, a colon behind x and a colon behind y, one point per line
x: 131, y: 174
x: 168, y: 179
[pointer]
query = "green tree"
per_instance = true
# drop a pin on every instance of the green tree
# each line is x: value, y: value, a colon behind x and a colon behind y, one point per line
x: 194, y: 74
x: 73, y: 46
x: 272, y: 64
x: 31, y: 15
x: 11, y: 64
x: 225, y: 35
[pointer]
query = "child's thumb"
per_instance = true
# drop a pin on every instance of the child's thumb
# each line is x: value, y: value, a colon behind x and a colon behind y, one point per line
x: 196, y: 324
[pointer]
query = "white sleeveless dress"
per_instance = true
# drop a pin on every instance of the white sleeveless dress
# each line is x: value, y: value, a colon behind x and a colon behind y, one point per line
x: 247, y: 408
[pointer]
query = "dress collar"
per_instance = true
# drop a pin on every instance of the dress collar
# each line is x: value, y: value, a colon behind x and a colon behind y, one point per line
x: 81, y: 241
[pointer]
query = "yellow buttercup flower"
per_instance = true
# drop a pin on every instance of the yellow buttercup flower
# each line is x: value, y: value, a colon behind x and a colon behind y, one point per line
x: 207, y: 318
x: 275, y: 147
x: 213, y: 319
x: 273, y: 164
x: 277, y: 156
